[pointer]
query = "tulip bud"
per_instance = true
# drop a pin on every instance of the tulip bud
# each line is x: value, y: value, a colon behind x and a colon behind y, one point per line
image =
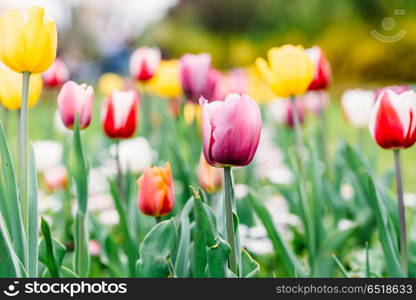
x: 194, y: 73
x: 56, y: 75
x: 230, y: 130
x: 322, y: 75
x: 156, y: 194
x: 11, y: 88
x: 289, y: 71
x: 144, y: 63
x: 27, y: 40
x: 120, y: 114
x: 210, y: 178
x: 357, y: 105
x: 55, y: 178
x: 75, y: 99
x: 392, y: 123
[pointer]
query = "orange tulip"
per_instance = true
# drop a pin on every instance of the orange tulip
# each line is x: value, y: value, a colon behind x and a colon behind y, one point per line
x: 156, y: 195
x: 210, y: 178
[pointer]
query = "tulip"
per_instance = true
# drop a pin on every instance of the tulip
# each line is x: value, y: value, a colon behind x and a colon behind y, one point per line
x: 289, y: 118
x: 230, y: 137
x: 11, y: 89
x: 357, y: 105
x: 322, y: 75
x: 56, y: 75
x: 237, y: 81
x: 392, y: 123
x: 109, y: 82
x: 211, y: 89
x: 28, y: 40
x: 156, y: 195
x: 398, y: 89
x: 289, y: 71
x: 210, y: 178
x: 393, y: 126
x: 315, y: 101
x: 120, y: 114
x: 75, y: 99
x: 166, y: 83
x: 144, y: 63
x: 230, y: 130
x: 194, y: 74
x: 55, y: 178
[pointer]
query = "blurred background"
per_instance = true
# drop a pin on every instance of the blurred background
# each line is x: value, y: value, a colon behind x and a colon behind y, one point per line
x: 366, y: 41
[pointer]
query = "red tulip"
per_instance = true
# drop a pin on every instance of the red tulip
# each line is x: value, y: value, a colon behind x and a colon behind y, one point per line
x: 289, y: 121
x: 56, y: 75
x: 230, y: 130
x: 195, y: 74
x: 156, y: 194
x: 120, y: 114
x: 392, y: 123
x: 144, y: 63
x: 398, y: 89
x: 75, y: 99
x: 322, y: 75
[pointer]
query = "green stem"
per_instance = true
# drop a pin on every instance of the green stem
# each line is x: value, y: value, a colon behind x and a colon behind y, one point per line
x: 120, y: 173
x: 402, y: 215
x: 299, y: 148
x: 23, y: 157
x: 229, y: 219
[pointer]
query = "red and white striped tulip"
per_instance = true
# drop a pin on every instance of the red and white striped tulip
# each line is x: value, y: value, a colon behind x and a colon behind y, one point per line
x: 398, y: 89
x: 56, y: 75
x: 230, y: 130
x: 392, y: 123
x: 120, y: 114
x: 322, y: 75
x: 144, y: 63
x: 75, y: 99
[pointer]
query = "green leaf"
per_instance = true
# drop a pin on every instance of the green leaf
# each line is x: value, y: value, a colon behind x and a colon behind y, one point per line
x: 9, y: 199
x: 79, y: 169
x: 290, y: 262
x: 182, y: 256
x: 156, y: 251
x: 341, y: 267
x: 392, y: 261
x: 217, y: 250
x: 50, y: 260
x: 33, y: 217
x: 10, y: 265
x: 250, y: 268
x: 82, y: 253
x: 130, y: 247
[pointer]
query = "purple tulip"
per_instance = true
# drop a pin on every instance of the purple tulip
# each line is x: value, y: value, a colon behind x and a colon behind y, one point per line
x: 194, y: 72
x: 230, y: 130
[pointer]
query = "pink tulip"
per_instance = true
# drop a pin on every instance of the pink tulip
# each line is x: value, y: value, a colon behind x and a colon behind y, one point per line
x: 144, y: 63
x: 75, y: 99
x: 56, y: 75
x: 195, y: 73
x: 289, y: 118
x: 322, y: 76
x: 392, y: 122
x: 315, y: 101
x: 230, y: 130
x: 237, y: 81
x: 398, y: 89
x: 211, y: 90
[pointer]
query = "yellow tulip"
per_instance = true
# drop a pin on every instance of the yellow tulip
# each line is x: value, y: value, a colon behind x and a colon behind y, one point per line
x: 257, y: 88
x: 166, y: 82
x: 288, y: 72
x: 27, y: 40
x: 11, y: 88
x: 109, y: 82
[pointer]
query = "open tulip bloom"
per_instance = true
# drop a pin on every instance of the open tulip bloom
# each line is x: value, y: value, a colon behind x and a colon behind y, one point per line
x: 393, y: 126
x: 230, y: 136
